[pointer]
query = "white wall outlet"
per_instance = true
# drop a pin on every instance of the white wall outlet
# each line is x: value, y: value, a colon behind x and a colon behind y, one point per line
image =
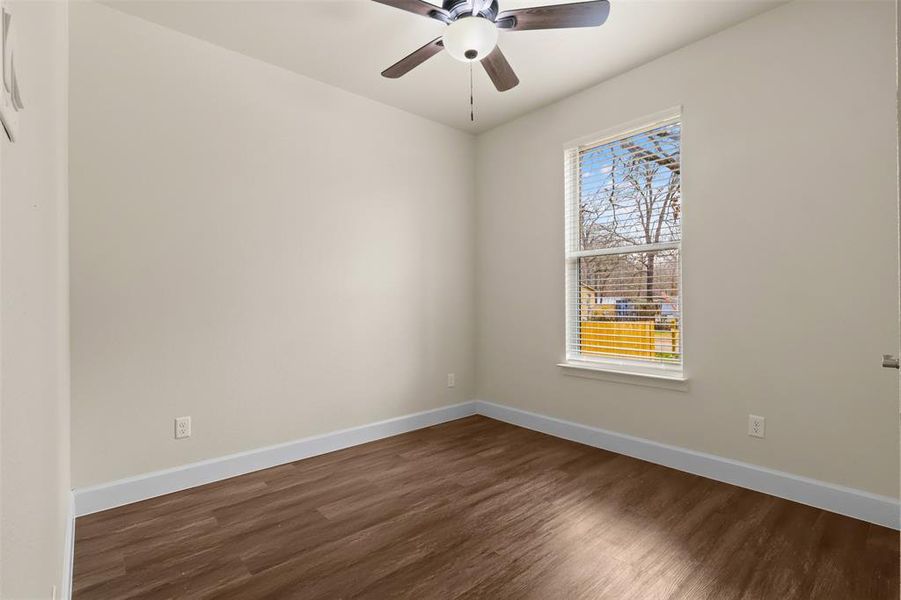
x: 182, y: 428
x: 756, y: 426
x: 53, y: 593
x: 451, y: 380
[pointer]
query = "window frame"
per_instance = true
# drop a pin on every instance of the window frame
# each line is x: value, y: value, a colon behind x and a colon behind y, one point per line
x: 616, y: 366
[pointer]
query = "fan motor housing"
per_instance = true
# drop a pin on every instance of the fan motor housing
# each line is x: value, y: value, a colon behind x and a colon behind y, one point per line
x: 463, y: 8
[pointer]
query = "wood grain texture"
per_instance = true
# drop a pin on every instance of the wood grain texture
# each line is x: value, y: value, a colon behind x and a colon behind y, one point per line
x: 500, y: 71
x: 414, y: 59
x: 476, y: 508
x: 556, y: 16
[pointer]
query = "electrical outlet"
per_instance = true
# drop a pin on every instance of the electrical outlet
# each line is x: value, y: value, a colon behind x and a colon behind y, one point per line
x: 53, y: 593
x: 451, y: 380
x: 182, y: 428
x: 756, y: 426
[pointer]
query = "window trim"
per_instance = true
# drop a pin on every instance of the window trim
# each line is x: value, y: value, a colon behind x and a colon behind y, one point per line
x: 658, y: 380
x: 618, y: 369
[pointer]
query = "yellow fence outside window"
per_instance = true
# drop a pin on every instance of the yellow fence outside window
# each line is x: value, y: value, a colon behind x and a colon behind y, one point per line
x: 629, y: 339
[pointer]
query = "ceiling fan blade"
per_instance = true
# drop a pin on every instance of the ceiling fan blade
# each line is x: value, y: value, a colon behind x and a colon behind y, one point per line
x: 578, y: 14
x: 500, y: 71
x: 414, y: 59
x: 420, y: 7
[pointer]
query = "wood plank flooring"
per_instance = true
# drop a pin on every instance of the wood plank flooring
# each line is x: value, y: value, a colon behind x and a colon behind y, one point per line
x: 479, y: 509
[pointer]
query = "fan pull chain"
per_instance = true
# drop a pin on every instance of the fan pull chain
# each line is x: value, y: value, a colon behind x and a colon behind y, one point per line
x: 472, y: 116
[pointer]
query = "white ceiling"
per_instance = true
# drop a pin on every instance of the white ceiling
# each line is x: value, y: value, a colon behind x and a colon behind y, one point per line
x: 347, y: 43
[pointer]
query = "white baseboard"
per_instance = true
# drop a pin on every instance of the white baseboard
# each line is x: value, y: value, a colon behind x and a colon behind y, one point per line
x: 851, y: 502
x: 133, y: 489
x: 881, y: 510
x: 65, y: 591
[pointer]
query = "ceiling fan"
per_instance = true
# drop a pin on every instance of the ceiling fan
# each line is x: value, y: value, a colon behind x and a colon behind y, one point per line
x: 472, y: 31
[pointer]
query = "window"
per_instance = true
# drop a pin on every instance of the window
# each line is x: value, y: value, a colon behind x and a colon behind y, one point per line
x: 623, y: 252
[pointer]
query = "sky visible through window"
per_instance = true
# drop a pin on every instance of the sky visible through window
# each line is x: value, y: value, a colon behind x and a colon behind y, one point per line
x: 630, y: 190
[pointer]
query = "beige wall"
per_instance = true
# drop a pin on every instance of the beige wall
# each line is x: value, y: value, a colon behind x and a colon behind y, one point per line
x: 270, y: 255
x: 790, y: 227
x: 34, y: 439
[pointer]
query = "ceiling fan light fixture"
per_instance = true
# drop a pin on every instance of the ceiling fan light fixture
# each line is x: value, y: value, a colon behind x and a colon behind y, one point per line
x: 470, y: 39
x: 472, y: 31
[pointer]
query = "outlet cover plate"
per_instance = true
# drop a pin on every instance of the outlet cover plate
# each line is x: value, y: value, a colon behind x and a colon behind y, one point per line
x: 182, y: 428
x: 756, y: 426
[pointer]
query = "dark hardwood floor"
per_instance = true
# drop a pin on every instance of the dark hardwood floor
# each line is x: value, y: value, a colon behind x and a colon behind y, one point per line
x: 478, y: 509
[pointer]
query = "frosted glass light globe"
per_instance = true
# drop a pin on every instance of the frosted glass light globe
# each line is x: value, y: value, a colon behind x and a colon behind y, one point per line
x: 470, y: 39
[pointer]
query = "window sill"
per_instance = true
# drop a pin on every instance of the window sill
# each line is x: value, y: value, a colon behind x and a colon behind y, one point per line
x: 622, y: 374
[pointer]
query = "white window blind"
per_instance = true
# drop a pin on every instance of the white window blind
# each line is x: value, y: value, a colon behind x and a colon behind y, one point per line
x: 623, y: 251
